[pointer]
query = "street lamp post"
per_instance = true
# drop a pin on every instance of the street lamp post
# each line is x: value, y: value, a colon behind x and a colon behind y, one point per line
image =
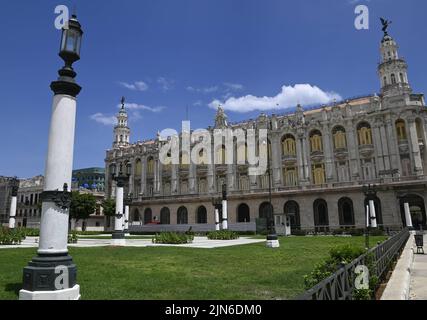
x: 370, y: 192
x: 121, y: 178
x: 13, y: 203
x: 128, y: 202
x: 272, y: 240
x: 216, y: 202
x: 52, y: 274
x: 224, y: 208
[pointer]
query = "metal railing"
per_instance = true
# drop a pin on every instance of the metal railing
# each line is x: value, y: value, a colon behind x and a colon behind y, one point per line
x: 340, y: 285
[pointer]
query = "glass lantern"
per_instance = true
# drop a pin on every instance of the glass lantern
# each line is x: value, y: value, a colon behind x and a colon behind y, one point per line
x: 71, y: 41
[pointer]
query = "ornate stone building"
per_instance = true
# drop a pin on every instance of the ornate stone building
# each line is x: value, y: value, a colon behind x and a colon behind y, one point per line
x: 5, y: 198
x: 320, y: 160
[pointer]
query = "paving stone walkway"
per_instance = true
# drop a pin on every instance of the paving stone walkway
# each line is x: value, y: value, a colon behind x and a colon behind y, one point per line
x: 418, y: 285
x: 199, y: 242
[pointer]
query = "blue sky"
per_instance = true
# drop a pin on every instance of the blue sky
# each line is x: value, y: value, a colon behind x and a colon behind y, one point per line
x: 165, y: 55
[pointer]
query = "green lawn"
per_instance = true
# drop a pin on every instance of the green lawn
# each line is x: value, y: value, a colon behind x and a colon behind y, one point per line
x: 240, y: 272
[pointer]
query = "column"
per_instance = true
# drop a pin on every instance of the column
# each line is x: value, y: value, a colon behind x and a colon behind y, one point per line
x: 384, y: 143
x: 306, y: 156
x: 211, y: 178
x: 378, y: 149
x: 159, y: 177
x: 40, y: 278
x: 353, y: 150
x: 408, y: 217
x: 276, y: 161
x: 144, y: 177
x: 174, y: 178
x: 300, y: 157
x: 392, y: 146
x: 415, y: 147
x: 231, y: 178
x: 328, y: 153
x: 217, y: 227
x: 126, y: 222
x: 192, y: 178
x: 118, y: 235
x: 224, y: 215
x: 13, y: 203
x: 373, y: 216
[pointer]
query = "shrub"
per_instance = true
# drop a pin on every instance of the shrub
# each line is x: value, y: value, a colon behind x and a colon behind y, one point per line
x: 173, y: 238
x: 11, y: 236
x: 31, y: 232
x: 222, y: 235
x: 299, y: 232
x: 72, y: 237
x: 337, y: 257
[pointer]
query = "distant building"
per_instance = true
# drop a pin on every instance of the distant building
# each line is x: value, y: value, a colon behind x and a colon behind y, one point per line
x: 5, y: 197
x: 89, y: 178
x: 29, y: 206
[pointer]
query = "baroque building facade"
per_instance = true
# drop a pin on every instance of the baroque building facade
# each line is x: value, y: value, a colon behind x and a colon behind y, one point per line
x: 320, y: 160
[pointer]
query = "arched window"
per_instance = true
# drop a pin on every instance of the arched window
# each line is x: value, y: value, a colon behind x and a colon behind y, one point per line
x: 318, y: 172
x: 148, y: 216
x: 290, y: 176
x: 289, y: 146
x: 136, y: 216
x: 316, y: 141
x: 242, y: 153
x: 165, y: 216
x: 385, y: 80
x: 402, y: 78
x: 202, y: 215
x: 417, y: 210
x: 150, y: 165
x: 401, y: 130
x: 340, y: 141
x: 346, y: 212
x: 243, y: 213
x: 203, y: 157
x: 182, y: 216
x: 321, y: 219
x: 265, y: 209
x: 138, y: 167
x: 291, y: 209
x: 393, y: 78
x: 364, y: 133
x: 221, y: 155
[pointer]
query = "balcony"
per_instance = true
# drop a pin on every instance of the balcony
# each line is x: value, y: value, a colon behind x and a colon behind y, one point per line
x: 403, y: 146
x: 366, y: 150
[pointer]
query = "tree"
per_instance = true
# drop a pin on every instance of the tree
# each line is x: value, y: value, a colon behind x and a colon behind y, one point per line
x: 82, y: 205
x: 109, y: 208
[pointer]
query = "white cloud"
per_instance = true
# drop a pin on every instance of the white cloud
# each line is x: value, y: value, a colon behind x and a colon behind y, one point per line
x: 166, y: 84
x: 234, y: 86
x: 104, y: 119
x: 198, y: 103
x: 203, y: 90
x: 289, y: 97
x: 135, y: 106
x: 136, y: 86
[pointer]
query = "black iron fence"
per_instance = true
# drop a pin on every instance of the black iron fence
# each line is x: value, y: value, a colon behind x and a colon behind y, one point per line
x: 340, y: 285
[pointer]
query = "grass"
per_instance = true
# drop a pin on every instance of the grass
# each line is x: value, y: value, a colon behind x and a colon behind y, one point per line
x: 239, y: 272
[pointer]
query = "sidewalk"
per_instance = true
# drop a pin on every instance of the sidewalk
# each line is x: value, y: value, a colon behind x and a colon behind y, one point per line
x: 409, y: 278
x: 418, y: 285
x: 199, y: 242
